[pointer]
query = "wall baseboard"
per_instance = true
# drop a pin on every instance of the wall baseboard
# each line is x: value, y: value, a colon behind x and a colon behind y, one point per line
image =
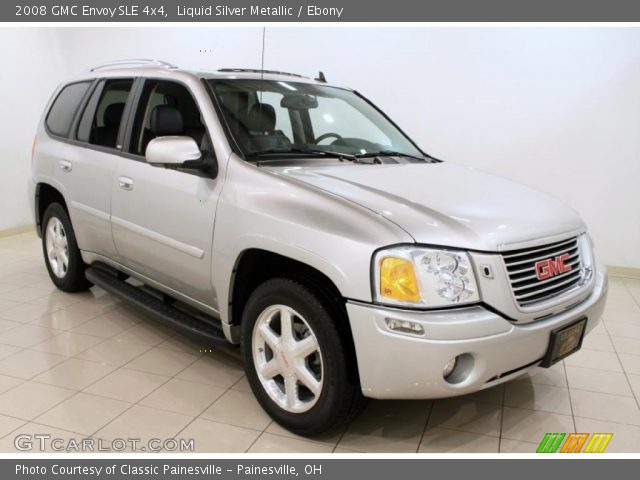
x: 17, y: 230
x: 623, y: 272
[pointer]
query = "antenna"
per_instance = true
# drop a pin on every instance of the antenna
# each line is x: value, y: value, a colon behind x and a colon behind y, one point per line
x: 321, y: 77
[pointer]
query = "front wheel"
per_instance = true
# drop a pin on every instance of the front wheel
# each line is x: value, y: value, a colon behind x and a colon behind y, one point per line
x: 298, y: 359
x: 61, y: 253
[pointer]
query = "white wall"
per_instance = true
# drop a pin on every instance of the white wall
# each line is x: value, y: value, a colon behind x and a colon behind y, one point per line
x: 556, y: 108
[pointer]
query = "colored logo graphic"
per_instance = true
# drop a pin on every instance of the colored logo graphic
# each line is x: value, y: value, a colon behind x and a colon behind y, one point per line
x: 573, y: 443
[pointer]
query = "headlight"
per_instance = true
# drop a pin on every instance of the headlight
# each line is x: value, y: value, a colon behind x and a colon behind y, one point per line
x: 424, y: 277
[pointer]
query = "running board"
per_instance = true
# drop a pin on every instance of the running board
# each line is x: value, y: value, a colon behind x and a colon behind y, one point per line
x: 205, y: 331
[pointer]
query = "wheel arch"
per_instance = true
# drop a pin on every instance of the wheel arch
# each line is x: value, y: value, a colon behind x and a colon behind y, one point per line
x: 45, y: 195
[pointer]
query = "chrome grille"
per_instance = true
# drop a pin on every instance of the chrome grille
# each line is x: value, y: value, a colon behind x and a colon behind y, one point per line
x: 521, y: 267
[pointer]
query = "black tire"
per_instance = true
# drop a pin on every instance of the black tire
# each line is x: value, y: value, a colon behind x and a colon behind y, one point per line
x: 340, y: 398
x: 73, y: 278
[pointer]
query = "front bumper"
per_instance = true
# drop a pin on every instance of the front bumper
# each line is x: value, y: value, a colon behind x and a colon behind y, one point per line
x: 405, y: 366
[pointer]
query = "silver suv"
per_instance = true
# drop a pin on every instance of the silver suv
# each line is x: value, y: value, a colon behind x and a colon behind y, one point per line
x: 294, y: 224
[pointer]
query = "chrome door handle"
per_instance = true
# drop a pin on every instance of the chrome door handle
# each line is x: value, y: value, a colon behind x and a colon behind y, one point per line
x: 65, y: 165
x: 125, y: 183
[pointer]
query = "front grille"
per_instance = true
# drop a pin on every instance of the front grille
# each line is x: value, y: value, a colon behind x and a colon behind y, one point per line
x: 521, y: 267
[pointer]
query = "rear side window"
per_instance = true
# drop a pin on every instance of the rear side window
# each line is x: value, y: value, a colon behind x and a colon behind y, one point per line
x: 64, y: 107
x: 101, y: 119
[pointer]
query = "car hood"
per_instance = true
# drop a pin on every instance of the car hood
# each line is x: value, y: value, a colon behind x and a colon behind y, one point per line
x: 446, y: 204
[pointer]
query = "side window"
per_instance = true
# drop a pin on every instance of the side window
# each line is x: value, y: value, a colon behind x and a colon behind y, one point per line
x: 166, y: 108
x: 64, y: 107
x: 100, y: 122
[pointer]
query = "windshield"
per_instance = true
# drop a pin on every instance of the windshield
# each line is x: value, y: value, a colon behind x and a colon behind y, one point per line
x: 289, y: 118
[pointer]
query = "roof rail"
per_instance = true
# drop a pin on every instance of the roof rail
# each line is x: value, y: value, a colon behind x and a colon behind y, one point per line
x: 133, y: 62
x: 257, y: 70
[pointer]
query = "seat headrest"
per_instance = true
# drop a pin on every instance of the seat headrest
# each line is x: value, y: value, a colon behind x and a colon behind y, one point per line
x: 166, y: 120
x: 113, y: 114
x: 261, y: 118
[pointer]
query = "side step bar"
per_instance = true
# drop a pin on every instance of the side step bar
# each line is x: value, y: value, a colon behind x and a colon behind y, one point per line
x: 208, y: 333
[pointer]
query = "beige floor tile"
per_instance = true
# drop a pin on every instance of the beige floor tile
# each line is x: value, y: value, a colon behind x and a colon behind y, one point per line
x: 554, y: 375
x: 114, y: 352
x: 25, y: 313
x: 530, y: 425
x: 162, y: 361
x: 623, y: 316
x: 238, y: 408
x: 6, y: 325
x: 74, y: 374
x: 29, y: 363
x: 63, y: 319
x: 634, y: 380
x: 219, y: 370
x: 8, y: 350
x: 145, y: 423
x: 626, y: 345
x: 30, y: 399
x: 6, y: 383
x: 181, y: 396
x: 89, y: 306
x: 145, y: 333
x: 27, y: 335
x: 382, y: 435
x: 594, y: 359
x: 83, y: 413
x: 535, y: 396
x: 626, y: 438
x: 104, y: 326
x: 68, y: 344
x: 242, y: 385
x: 9, y: 424
x: 57, y: 299
x: 329, y: 438
x: 602, y: 406
x: 598, y: 381
x: 594, y: 341
x: 416, y: 411
x: 441, y: 440
x: 269, y: 443
x: 127, y: 385
x: 630, y: 363
x: 213, y: 437
x: 24, y: 294
x: 185, y: 344
x: 515, y: 446
x: 615, y: 329
x: 466, y: 415
x: 599, y: 329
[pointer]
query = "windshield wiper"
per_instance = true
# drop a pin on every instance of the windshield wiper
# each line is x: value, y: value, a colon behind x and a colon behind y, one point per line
x: 305, y: 151
x: 388, y: 153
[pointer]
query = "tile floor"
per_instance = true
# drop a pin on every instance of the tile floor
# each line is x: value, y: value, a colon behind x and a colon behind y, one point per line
x: 87, y: 366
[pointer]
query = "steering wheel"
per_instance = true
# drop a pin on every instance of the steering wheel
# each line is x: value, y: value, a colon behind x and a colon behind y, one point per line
x: 324, y: 136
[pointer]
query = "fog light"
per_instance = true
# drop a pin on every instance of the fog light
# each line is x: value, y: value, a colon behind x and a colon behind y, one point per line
x: 448, y: 367
x: 404, y: 326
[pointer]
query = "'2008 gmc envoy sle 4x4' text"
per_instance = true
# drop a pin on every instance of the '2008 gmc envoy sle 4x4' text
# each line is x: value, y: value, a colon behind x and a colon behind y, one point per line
x: 293, y: 223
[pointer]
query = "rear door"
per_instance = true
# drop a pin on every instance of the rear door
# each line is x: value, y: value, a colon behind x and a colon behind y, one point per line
x: 163, y: 218
x: 86, y: 159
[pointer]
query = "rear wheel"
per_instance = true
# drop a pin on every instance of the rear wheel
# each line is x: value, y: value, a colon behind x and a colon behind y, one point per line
x: 298, y: 359
x: 61, y: 253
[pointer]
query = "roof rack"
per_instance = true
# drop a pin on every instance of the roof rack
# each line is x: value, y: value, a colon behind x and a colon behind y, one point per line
x: 134, y: 62
x: 256, y: 70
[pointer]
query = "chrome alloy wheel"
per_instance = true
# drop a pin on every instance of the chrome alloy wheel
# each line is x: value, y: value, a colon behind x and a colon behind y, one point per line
x: 57, y: 247
x: 287, y: 358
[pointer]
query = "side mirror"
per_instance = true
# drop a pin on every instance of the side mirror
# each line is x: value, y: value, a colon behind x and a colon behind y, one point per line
x: 172, y: 150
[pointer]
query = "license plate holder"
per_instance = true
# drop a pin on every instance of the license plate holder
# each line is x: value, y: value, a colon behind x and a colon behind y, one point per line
x: 564, y: 341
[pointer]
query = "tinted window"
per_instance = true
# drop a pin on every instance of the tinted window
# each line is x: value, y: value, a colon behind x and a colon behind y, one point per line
x: 177, y: 103
x: 100, y: 122
x: 64, y: 107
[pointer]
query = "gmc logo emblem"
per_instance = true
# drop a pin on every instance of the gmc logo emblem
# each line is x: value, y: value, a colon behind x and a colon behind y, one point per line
x: 552, y: 266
